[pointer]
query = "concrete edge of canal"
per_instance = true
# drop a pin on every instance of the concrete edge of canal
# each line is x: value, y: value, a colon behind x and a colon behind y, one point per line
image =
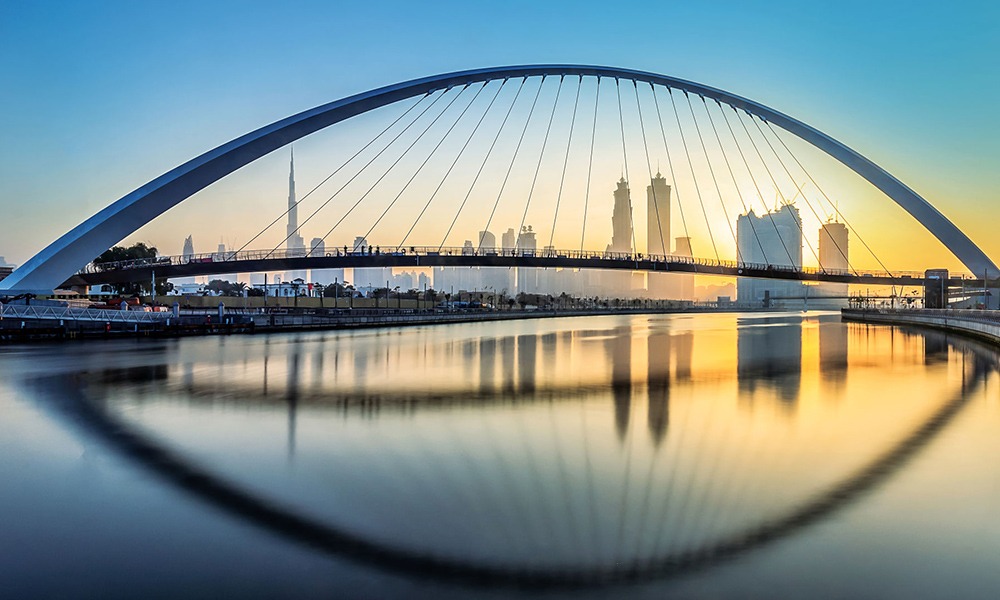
x: 981, y: 324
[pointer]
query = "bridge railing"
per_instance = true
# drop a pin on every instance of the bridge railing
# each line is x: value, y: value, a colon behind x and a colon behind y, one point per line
x: 957, y: 314
x: 576, y: 254
x: 52, y: 313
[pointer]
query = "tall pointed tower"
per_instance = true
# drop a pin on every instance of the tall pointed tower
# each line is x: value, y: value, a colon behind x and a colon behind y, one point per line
x: 295, y: 244
x: 621, y: 220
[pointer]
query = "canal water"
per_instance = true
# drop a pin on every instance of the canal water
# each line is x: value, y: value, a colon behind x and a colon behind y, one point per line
x: 691, y: 456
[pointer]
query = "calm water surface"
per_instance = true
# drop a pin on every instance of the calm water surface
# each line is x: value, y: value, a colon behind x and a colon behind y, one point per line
x: 688, y: 456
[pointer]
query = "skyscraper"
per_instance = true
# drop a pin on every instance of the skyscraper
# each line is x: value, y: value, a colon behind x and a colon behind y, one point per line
x: 658, y: 232
x: 833, y: 256
x: 487, y: 241
x: 368, y: 277
x: 527, y: 278
x: 317, y: 247
x: 774, y: 238
x: 621, y: 220
x: 619, y: 283
x: 681, y: 286
x: 506, y: 281
x: 188, y: 248
x: 295, y: 245
x: 658, y: 216
x: 509, y: 239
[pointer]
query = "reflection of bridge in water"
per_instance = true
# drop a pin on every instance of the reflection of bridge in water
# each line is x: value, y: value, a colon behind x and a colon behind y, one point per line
x: 667, y: 527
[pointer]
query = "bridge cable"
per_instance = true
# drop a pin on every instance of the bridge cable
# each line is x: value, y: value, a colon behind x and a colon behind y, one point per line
x: 704, y: 471
x: 590, y: 165
x: 790, y: 177
x: 715, y: 181
x: 837, y: 210
x: 361, y: 170
x: 757, y: 187
x: 483, y: 164
x: 628, y: 185
x: 774, y: 182
x: 513, y: 158
x: 541, y: 155
x: 649, y: 169
x: 670, y: 165
x: 697, y: 188
x: 798, y: 190
x: 328, y: 177
x: 564, y: 479
x: 683, y: 437
x: 396, y: 162
x: 569, y: 143
x: 736, y: 185
x: 428, y: 158
x: 455, y: 162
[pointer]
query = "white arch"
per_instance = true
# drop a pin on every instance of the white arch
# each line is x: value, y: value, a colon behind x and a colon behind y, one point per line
x: 62, y: 258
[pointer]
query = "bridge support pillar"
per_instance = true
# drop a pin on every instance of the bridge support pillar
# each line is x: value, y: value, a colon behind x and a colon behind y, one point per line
x: 936, y: 288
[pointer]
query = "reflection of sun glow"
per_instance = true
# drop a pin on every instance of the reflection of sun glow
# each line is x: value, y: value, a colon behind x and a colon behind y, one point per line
x: 565, y: 442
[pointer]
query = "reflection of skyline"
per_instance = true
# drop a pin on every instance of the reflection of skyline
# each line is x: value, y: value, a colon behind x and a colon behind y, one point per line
x: 833, y: 357
x: 881, y: 457
x: 769, y: 355
x: 658, y: 385
x: 292, y: 393
x: 619, y: 351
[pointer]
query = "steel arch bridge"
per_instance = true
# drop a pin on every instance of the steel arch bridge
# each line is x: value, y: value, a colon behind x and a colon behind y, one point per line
x: 60, y: 260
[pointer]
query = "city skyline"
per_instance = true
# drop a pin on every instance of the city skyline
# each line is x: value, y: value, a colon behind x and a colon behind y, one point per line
x: 775, y: 237
x: 955, y: 184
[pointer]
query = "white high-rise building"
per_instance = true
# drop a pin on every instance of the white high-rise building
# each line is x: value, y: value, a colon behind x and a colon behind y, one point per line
x: 658, y: 233
x: 317, y: 247
x: 681, y: 286
x: 619, y: 283
x: 621, y: 220
x: 509, y: 239
x: 506, y: 280
x: 833, y: 256
x: 774, y: 238
x: 368, y: 277
x: 487, y: 241
x: 527, y: 278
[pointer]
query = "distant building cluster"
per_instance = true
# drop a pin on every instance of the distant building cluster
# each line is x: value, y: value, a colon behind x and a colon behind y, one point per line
x: 5, y: 268
x: 773, y: 238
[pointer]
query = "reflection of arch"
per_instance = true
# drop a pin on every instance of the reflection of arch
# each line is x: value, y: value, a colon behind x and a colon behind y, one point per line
x: 341, y: 543
x: 57, y: 262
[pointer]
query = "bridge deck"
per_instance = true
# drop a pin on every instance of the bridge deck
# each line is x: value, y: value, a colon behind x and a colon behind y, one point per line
x: 422, y: 257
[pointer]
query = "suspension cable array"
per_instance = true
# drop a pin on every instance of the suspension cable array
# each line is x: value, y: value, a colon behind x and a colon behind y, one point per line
x: 452, y: 159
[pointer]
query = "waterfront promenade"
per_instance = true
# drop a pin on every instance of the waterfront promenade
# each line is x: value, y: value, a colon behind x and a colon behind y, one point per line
x: 983, y: 324
x: 35, y: 323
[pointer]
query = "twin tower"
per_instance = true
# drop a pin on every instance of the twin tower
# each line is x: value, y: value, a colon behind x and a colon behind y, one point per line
x: 658, y: 285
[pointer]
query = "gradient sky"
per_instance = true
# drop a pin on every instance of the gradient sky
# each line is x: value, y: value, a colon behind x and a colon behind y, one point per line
x: 99, y: 98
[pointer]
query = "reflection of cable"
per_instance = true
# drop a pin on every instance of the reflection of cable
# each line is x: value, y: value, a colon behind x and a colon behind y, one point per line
x: 65, y: 394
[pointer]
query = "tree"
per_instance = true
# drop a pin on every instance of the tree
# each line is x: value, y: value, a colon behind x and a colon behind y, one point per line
x: 136, y: 252
x: 338, y: 290
x: 225, y: 288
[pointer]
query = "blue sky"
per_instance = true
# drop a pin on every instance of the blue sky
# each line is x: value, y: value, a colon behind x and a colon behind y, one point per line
x: 98, y: 98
